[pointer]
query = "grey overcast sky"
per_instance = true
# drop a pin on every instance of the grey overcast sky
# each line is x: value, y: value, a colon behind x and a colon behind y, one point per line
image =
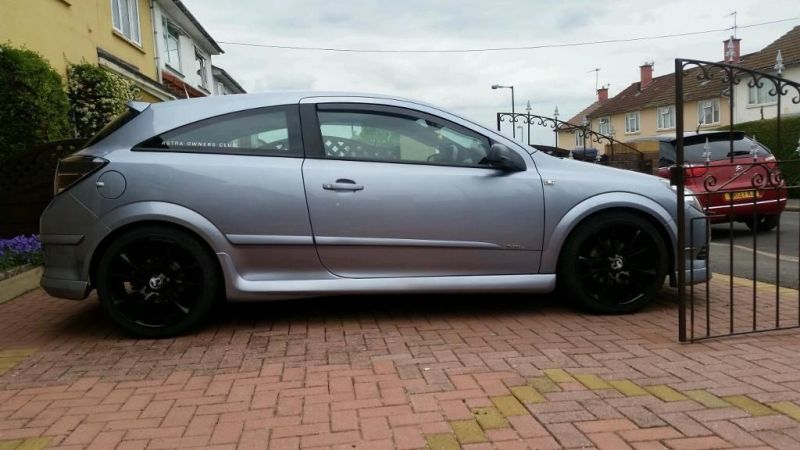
x: 547, y: 77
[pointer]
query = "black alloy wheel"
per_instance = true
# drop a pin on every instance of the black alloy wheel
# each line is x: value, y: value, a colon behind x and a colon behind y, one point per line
x: 157, y: 281
x: 614, y: 263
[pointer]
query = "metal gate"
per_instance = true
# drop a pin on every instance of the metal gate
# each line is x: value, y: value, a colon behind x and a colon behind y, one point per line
x: 614, y: 153
x: 736, y: 178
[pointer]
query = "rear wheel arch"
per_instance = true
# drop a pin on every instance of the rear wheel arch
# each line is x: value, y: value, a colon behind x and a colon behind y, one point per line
x: 123, y: 229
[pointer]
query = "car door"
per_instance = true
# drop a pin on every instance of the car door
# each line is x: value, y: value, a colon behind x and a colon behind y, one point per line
x: 397, y: 192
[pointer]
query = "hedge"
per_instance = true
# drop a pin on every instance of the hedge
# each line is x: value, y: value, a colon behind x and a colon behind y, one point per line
x: 765, y: 131
x: 96, y: 96
x: 33, y: 103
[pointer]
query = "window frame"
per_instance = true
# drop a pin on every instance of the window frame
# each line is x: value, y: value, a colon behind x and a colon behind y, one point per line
x: 628, y: 117
x: 202, y: 62
x: 167, y: 25
x: 133, y: 13
x: 765, y: 88
x: 660, y: 113
x: 715, y: 111
x: 293, y: 130
x: 607, y: 124
x: 315, y: 149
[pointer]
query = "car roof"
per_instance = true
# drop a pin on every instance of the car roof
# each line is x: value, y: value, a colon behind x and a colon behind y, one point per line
x: 263, y: 99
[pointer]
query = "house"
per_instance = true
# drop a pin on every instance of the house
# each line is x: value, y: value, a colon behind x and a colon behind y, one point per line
x: 116, y: 34
x: 568, y: 136
x: 224, y: 84
x: 755, y: 102
x: 158, y: 45
x: 647, y: 107
x: 184, y: 50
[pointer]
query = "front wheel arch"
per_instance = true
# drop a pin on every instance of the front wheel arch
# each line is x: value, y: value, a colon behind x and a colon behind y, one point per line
x: 659, y: 226
x: 579, y: 231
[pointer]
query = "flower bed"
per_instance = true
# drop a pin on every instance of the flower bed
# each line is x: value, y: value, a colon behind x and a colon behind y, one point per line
x: 18, y: 253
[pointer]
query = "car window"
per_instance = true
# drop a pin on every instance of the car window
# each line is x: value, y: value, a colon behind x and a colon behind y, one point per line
x: 718, y: 150
x: 264, y: 131
x: 375, y: 136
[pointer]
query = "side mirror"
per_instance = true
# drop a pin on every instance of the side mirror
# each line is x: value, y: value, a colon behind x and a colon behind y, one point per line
x: 503, y: 158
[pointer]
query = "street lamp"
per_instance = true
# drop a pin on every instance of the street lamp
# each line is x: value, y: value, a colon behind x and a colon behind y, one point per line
x: 499, y: 86
x: 528, y: 111
x: 555, y: 116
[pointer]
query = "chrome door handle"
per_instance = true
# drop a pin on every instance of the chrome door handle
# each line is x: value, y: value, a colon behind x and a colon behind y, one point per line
x: 343, y: 184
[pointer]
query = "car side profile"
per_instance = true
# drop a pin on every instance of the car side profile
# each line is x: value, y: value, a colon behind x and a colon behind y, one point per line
x: 178, y: 205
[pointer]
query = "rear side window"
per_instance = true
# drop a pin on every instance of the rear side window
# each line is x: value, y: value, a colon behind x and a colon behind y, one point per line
x: 262, y: 132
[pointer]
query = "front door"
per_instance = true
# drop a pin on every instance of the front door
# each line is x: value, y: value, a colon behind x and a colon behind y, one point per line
x: 395, y: 192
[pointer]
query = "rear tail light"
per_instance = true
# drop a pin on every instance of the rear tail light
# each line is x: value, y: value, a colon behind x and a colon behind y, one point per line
x: 696, y: 171
x: 74, y: 168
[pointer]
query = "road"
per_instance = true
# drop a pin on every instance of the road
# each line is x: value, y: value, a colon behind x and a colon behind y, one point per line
x: 773, y: 247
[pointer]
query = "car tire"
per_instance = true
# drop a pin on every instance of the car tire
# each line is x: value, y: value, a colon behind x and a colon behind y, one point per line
x: 613, y: 263
x: 763, y: 223
x: 157, y: 281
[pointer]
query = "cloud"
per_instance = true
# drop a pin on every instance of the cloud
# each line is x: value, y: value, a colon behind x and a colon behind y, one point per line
x: 547, y: 77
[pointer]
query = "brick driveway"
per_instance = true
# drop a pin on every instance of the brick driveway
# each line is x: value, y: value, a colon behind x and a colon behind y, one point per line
x: 393, y: 372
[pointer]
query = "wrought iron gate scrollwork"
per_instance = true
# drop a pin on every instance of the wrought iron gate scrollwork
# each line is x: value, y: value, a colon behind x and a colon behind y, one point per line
x: 618, y: 154
x: 750, y: 305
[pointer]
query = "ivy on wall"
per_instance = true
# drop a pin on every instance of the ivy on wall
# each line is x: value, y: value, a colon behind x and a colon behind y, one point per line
x: 96, y: 96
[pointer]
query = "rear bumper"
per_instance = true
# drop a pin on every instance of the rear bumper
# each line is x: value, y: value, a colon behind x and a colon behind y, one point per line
x: 745, y: 210
x: 69, y: 289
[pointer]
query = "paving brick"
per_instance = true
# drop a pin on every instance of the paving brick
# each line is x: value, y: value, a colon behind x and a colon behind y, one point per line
x: 666, y: 393
x: 467, y: 431
x: 489, y: 418
x: 707, y: 399
x: 749, y: 405
x: 443, y: 441
x: 628, y: 388
x: 544, y: 385
x: 788, y: 408
x: 592, y: 381
x: 527, y: 394
x: 508, y: 405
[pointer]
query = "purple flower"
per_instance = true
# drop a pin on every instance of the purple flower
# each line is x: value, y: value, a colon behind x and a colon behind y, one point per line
x: 20, y: 250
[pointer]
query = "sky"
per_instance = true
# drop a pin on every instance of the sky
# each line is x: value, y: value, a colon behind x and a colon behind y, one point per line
x: 548, y: 78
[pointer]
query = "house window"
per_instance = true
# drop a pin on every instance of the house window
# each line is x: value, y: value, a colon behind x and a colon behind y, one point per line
x: 760, y: 95
x: 666, y: 117
x: 201, y: 63
x: 172, y: 43
x: 605, y: 126
x: 579, y: 141
x: 708, y: 111
x: 632, y: 122
x: 125, y: 19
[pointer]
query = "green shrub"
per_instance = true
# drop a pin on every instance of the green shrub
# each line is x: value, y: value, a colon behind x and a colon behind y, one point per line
x: 96, y: 96
x: 33, y: 105
x: 765, y: 131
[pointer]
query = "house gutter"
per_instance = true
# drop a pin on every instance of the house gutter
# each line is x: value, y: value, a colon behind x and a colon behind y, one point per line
x: 156, y: 58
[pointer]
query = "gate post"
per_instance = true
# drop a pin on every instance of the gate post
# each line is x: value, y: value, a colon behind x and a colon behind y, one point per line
x: 678, y: 180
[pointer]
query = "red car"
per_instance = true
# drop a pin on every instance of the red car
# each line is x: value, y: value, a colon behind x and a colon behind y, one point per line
x: 744, y: 185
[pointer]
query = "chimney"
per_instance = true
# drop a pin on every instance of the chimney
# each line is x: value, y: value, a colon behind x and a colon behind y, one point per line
x: 731, y: 49
x: 646, y: 75
x: 602, y: 94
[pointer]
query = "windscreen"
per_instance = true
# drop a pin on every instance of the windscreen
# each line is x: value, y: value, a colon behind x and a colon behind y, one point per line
x: 113, y: 126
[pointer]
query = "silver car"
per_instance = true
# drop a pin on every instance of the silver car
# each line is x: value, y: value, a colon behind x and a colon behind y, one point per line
x: 178, y: 205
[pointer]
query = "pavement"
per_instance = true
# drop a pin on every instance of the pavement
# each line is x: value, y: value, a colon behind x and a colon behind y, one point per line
x: 406, y: 372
